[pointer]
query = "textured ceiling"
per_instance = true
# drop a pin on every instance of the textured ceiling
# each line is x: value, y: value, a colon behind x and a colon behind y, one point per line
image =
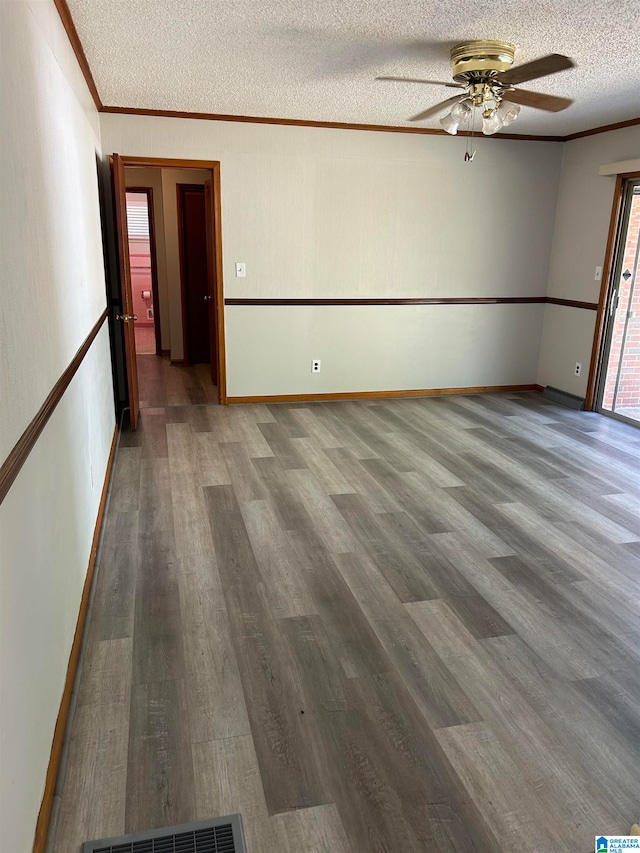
x: 317, y: 59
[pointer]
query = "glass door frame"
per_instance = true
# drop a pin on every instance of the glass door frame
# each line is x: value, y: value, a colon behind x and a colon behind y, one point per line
x: 608, y: 296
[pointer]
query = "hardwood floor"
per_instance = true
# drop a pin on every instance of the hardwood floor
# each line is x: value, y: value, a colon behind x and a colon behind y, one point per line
x: 367, y: 626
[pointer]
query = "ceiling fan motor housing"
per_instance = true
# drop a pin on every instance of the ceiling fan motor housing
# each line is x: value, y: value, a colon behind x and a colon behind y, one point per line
x: 474, y: 61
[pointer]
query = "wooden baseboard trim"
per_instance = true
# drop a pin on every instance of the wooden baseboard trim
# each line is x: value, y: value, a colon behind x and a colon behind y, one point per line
x: 44, y: 816
x: 12, y: 465
x: 177, y: 361
x: 165, y: 352
x: 539, y: 388
x: 368, y: 395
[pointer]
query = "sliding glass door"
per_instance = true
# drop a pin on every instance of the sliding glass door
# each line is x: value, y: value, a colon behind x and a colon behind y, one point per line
x: 619, y: 392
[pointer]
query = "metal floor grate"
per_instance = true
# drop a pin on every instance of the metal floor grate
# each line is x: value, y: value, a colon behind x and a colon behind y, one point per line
x: 219, y: 835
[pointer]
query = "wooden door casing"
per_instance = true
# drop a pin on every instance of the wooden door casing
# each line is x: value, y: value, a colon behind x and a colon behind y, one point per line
x: 211, y: 278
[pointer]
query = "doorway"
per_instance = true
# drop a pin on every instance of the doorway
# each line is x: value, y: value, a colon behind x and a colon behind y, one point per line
x: 144, y: 274
x: 189, y: 332
x: 619, y: 381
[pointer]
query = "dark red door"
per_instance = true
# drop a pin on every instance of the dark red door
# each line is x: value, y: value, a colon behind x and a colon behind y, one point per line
x: 195, y: 280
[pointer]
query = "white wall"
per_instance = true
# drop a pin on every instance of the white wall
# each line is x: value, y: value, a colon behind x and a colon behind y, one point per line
x: 373, y: 348
x: 579, y: 244
x: 46, y: 528
x: 324, y: 213
x: 53, y: 292
x: 52, y: 273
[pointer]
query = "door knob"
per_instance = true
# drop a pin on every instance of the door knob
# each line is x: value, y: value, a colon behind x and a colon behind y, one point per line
x: 126, y: 317
x: 207, y: 298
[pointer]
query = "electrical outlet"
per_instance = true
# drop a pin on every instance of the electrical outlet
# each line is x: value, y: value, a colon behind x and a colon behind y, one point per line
x: 315, y: 365
x: 578, y: 369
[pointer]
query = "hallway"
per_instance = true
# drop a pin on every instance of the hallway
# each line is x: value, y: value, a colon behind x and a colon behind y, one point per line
x: 384, y: 625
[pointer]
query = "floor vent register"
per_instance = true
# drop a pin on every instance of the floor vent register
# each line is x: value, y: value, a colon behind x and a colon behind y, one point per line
x: 219, y: 835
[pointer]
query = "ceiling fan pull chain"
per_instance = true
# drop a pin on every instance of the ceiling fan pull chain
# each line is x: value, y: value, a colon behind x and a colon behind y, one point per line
x: 469, y: 154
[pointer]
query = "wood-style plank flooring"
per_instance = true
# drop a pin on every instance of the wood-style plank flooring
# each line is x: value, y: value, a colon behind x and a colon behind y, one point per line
x: 367, y: 626
x: 165, y: 384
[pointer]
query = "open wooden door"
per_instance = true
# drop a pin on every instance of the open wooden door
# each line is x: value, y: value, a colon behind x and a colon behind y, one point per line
x: 209, y: 202
x: 127, y: 317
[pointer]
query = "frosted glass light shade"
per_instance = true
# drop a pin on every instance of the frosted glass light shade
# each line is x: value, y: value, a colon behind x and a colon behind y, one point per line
x: 461, y: 110
x: 450, y: 123
x: 491, y: 124
x: 508, y: 112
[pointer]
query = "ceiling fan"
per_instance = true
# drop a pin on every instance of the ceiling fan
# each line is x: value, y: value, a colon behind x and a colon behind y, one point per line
x: 483, y: 71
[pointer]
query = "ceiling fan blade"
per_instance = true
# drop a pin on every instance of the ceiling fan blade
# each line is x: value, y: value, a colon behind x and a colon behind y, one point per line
x: 438, y: 108
x: 416, y: 80
x: 542, y: 67
x: 551, y: 103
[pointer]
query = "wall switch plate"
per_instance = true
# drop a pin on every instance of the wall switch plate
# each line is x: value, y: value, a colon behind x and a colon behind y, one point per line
x: 315, y: 365
x: 241, y: 270
x: 578, y: 369
x: 598, y: 275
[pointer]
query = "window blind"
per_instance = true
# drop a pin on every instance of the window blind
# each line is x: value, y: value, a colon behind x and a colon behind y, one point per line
x: 137, y: 221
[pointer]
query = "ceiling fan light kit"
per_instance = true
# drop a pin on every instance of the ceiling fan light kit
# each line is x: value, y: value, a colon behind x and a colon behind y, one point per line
x: 483, y: 71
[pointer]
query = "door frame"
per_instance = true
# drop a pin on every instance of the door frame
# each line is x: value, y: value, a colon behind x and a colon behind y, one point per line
x: 148, y: 191
x: 599, y: 338
x: 121, y: 236
x: 213, y: 166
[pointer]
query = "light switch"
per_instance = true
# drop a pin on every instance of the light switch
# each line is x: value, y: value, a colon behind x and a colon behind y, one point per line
x: 598, y: 275
x: 241, y: 270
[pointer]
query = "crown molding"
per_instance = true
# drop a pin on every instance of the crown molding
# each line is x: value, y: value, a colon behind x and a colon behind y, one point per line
x: 605, y: 128
x: 294, y: 122
x: 340, y: 125
x: 76, y: 44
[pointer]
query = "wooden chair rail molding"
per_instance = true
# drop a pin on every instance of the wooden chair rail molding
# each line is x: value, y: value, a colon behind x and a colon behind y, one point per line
x: 17, y: 457
x: 462, y: 300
